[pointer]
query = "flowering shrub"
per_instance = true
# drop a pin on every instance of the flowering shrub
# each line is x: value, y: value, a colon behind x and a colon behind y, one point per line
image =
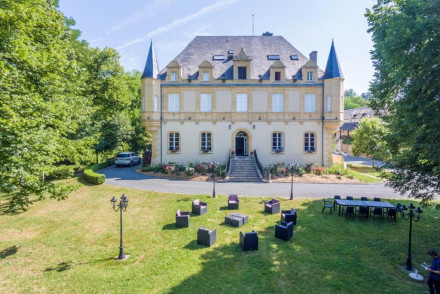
x: 189, y: 171
x: 318, y: 171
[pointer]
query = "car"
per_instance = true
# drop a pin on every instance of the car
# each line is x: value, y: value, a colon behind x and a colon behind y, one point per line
x: 127, y: 158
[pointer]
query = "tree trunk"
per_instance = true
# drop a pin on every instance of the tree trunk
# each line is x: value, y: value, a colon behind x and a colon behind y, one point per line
x: 372, y: 163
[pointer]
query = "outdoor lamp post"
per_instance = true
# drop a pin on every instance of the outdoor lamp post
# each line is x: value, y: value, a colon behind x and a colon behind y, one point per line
x: 214, y: 165
x: 292, y: 167
x: 412, y: 214
x: 121, y: 206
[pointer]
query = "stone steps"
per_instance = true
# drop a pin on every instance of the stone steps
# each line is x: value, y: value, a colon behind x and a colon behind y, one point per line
x: 243, y: 169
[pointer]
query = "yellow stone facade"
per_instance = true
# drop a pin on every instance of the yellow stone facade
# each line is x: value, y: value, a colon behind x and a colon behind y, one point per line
x: 259, y: 122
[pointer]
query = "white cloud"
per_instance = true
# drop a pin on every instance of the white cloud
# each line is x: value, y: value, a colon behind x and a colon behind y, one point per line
x: 179, y: 22
x: 148, y: 11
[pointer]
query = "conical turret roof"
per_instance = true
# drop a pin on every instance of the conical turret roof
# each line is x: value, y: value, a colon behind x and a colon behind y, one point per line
x: 333, y: 70
x: 151, y: 68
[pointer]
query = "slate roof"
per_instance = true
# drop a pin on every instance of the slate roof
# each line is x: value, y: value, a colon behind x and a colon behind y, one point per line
x: 203, y: 48
x: 358, y: 113
x: 333, y: 70
x: 151, y: 69
x: 348, y: 126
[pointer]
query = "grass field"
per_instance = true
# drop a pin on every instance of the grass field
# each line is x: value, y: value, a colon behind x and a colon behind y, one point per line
x: 364, y: 173
x: 69, y: 246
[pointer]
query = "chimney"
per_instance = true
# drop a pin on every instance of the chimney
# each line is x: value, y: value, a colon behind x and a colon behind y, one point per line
x: 314, y: 56
x: 267, y: 34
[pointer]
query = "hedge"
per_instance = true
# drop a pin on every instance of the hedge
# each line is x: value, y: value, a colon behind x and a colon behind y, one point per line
x: 92, y: 177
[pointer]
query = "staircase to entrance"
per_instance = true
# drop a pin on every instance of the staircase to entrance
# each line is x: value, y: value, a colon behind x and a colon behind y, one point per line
x: 243, y: 169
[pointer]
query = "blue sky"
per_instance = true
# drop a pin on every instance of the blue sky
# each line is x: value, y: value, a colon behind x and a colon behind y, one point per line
x: 129, y: 26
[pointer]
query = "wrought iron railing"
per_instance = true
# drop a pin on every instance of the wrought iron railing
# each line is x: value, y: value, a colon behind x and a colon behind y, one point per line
x: 259, y: 166
x: 228, y: 167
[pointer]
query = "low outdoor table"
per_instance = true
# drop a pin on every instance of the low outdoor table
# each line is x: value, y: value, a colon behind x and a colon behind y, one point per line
x: 236, y: 219
x: 343, y: 202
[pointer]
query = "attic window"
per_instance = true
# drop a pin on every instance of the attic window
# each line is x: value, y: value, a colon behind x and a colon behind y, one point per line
x: 218, y: 57
x: 294, y: 57
x: 273, y: 57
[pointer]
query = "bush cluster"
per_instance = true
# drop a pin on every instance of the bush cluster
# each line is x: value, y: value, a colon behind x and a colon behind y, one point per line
x: 92, y: 177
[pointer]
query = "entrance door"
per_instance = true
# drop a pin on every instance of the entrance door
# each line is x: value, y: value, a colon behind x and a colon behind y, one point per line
x: 241, y: 144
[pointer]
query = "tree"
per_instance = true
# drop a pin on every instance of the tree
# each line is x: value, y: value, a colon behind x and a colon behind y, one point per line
x: 369, y: 139
x: 39, y: 103
x: 354, y: 102
x: 406, y: 89
x: 350, y: 93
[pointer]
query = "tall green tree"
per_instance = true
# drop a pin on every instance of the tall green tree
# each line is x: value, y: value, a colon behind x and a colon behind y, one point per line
x: 369, y: 139
x: 39, y: 103
x: 406, y: 87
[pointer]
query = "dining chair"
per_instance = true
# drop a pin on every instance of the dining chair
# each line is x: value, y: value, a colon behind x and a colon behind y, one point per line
x: 350, y: 210
x: 364, y: 199
x: 349, y: 198
x: 377, y: 199
x: 327, y: 204
x: 334, y: 202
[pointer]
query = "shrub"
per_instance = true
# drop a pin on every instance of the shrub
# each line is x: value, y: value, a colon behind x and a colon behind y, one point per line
x: 180, y: 167
x: 308, y: 168
x: 318, y: 171
x: 301, y: 171
x: 148, y: 168
x: 200, y: 168
x: 189, y: 171
x: 92, y: 177
x: 348, y: 141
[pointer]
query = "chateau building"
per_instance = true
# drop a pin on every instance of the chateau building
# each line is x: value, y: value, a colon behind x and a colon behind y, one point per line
x: 239, y: 95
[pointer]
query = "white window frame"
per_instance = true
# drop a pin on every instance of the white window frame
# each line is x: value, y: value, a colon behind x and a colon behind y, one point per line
x: 173, y: 76
x: 205, y: 102
x: 277, y: 102
x: 206, y: 141
x: 206, y: 76
x: 309, y: 102
x: 156, y: 104
x: 173, y: 102
x: 309, y: 142
x: 329, y: 104
x: 310, y: 76
x: 242, y: 102
x: 174, y: 141
x: 277, y: 141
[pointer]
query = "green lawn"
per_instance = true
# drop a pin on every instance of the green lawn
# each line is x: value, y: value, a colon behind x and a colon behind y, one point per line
x: 69, y: 246
x: 364, y: 173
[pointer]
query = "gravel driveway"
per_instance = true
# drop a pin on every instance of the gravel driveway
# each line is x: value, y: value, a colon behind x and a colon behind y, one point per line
x: 128, y: 177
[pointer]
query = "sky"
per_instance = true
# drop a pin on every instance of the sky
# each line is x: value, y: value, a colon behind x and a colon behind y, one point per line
x: 130, y: 25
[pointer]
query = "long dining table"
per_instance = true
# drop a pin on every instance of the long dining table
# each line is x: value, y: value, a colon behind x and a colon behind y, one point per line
x: 378, y: 204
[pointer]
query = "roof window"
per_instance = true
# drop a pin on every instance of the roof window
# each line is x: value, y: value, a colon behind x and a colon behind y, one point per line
x: 273, y: 57
x: 218, y: 57
x: 294, y: 57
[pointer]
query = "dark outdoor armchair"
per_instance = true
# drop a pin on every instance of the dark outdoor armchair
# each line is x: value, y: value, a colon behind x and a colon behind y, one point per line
x: 199, y: 207
x: 182, y: 219
x: 249, y: 241
x: 206, y: 237
x: 233, y: 202
x: 272, y: 206
x: 289, y: 216
x: 284, y: 231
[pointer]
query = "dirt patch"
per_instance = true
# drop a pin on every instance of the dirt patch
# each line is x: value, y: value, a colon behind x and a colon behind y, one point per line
x: 324, y: 179
x: 307, y: 178
x: 181, y: 176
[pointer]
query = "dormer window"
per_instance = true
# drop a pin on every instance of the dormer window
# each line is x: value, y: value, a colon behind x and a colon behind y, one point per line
x: 205, y: 76
x: 309, y: 76
x: 294, y: 57
x: 173, y: 76
x: 277, y: 76
x: 242, y: 73
x: 273, y: 57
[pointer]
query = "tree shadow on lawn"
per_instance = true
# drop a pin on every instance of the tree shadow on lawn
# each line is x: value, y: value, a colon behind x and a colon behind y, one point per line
x: 327, y: 254
x: 66, y: 265
x: 9, y: 251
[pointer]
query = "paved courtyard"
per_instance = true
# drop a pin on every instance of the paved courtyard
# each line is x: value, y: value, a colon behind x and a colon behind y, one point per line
x: 128, y: 177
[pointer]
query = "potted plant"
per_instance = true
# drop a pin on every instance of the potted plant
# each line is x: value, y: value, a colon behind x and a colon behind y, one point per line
x: 232, y: 153
x: 278, y: 150
x: 205, y: 150
x: 252, y: 154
